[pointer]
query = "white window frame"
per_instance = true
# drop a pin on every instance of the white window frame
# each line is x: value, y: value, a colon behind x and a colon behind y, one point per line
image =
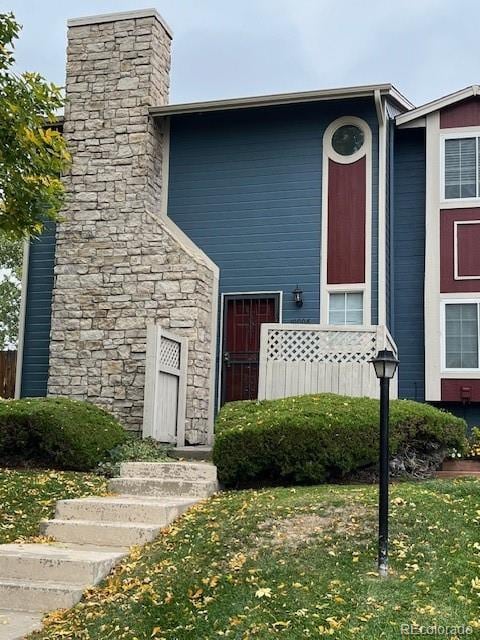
x: 333, y: 289
x: 443, y: 334
x: 457, y: 134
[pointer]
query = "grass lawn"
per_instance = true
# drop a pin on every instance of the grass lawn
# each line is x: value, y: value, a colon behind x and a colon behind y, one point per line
x: 26, y: 497
x: 295, y: 563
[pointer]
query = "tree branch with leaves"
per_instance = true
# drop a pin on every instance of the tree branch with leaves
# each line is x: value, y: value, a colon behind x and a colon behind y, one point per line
x: 33, y: 155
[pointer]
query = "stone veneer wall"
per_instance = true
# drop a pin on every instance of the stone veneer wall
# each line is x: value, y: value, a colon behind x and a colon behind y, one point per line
x: 119, y: 263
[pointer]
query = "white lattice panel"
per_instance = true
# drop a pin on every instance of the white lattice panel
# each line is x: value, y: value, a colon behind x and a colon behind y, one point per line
x: 301, y: 359
x: 169, y: 355
x: 339, y: 347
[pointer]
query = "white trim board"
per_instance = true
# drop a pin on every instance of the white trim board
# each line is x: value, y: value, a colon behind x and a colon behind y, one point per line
x: 329, y: 153
x: 432, y: 322
x: 382, y: 211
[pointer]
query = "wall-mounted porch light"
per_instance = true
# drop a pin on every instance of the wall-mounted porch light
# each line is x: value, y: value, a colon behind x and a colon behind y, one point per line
x: 298, y: 296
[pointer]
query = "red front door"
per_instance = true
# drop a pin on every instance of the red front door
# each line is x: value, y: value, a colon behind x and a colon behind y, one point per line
x: 243, y: 316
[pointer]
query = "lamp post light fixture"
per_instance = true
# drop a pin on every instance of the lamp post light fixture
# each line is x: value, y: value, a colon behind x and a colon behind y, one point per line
x: 385, y: 364
x: 298, y: 296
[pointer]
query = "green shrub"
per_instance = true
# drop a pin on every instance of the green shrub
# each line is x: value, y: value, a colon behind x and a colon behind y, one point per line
x: 321, y: 437
x: 135, y: 449
x: 56, y: 432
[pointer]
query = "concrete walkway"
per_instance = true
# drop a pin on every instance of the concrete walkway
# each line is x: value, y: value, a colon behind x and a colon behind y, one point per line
x: 92, y: 535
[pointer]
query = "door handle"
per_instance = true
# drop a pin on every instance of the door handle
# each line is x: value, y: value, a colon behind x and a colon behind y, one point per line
x: 226, y: 358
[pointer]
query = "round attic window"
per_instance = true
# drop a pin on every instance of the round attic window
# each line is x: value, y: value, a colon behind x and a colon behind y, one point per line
x: 348, y: 139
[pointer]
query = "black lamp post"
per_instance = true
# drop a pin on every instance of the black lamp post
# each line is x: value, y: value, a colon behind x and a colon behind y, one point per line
x: 385, y: 365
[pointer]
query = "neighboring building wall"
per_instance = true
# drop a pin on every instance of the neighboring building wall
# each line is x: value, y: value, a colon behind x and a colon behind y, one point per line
x: 446, y: 254
x: 247, y: 188
x: 36, y: 336
x: 119, y: 266
x: 408, y: 260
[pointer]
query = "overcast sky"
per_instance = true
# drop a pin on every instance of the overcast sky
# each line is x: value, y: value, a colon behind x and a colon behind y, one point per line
x: 232, y: 48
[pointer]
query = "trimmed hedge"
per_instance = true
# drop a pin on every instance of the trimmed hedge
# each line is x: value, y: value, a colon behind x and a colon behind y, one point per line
x: 56, y: 432
x: 322, y: 437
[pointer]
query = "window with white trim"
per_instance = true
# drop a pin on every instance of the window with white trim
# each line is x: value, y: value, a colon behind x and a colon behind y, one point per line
x: 461, y: 335
x: 461, y: 168
x: 346, y: 308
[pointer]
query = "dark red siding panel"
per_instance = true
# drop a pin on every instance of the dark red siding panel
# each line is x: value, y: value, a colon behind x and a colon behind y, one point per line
x: 469, y: 250
x: 462, y: 114
x: 457, y: 390
x: 346, y: 222
x: 468, y: 247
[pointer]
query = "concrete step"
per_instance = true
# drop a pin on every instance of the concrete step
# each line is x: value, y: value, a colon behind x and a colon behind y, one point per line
x: 16, y: 625
x: 195, y: 452
x: 157, y: 487
x: 109, y: 534
x: 126, y: 509
x: 189, y: 471
x: 55, y: 563
x: 30, y: 595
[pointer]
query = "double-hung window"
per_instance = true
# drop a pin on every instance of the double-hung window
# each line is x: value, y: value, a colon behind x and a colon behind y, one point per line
x: 462, y: 335
x: 461, y: 168
x: 346, y: 308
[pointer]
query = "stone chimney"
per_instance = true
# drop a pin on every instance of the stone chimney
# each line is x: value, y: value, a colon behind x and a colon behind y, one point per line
x: 120, y: 264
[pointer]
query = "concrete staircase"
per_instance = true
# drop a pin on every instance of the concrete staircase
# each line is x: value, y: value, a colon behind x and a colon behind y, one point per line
x: 91, y: 536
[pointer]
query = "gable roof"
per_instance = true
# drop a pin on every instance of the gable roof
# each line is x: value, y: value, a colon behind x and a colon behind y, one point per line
x: 440, y: 103
x: 286, y: 98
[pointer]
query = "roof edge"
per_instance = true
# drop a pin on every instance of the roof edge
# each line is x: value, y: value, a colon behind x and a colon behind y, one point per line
x: 437, y: 104
x: 283, y: 98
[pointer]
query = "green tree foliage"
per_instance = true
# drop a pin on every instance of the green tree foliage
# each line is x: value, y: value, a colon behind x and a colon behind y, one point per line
x: 32, y: 155
x: 10, y: 276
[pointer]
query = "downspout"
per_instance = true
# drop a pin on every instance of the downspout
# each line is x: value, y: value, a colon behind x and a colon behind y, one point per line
x: 21, y: 319
x: 382, y: 199
x: 391, y: 214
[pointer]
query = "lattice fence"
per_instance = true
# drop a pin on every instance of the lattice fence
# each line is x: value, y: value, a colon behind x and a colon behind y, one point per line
x: 300, y: 345
x: 299, y: 359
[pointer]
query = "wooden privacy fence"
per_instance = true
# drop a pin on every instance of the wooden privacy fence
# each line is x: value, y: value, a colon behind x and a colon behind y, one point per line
x: 8, y: 367
x: 299, y: 359
x: 165, y: 386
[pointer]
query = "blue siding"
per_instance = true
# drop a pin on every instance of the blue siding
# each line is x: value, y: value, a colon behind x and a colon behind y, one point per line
x: 246, y: 187
x: 38, y: 314
x: 408, y: 260
x: 469, y: 412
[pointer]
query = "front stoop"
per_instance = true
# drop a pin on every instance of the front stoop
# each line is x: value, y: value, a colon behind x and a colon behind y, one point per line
x: 92, y: 535
x: 15, y: 625
x: 193, y: 452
